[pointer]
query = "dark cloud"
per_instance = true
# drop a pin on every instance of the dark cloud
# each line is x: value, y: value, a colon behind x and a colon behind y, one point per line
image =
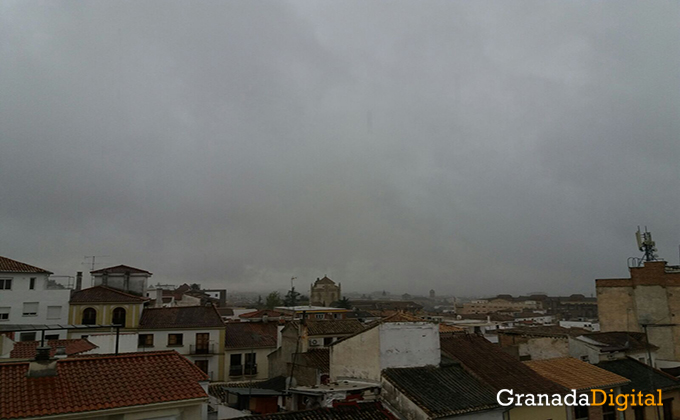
x: 469, y: 147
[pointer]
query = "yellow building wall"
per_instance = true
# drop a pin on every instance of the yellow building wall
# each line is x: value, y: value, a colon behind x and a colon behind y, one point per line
x: 538, y: 413
x: 105, y: 313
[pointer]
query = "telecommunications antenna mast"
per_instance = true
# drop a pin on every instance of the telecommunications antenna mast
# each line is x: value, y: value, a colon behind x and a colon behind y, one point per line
x: 646, y: 245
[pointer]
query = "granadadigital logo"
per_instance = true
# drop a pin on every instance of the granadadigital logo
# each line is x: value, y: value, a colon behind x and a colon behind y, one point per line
x: 507, y: 397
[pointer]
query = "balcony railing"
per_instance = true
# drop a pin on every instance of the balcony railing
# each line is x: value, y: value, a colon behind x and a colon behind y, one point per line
x: 202, y: 349
x: 250, y: 369
x: 236, y: 370
x: 240, y: 370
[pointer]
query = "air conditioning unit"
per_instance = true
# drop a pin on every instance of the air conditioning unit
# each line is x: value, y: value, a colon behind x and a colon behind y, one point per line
x: 314, y: 342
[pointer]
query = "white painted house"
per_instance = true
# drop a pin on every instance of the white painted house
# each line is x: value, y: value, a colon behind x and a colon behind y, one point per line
x: 28, y: 296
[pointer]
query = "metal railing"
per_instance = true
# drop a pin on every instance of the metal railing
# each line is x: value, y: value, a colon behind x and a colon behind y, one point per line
x: 236, y: 370
x: 202, y: 349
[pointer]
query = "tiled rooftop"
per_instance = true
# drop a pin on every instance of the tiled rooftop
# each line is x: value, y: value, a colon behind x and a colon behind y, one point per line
x: 27, y: 349
x: 442, y: 391
x: 262, y: 312
x: 333, y: 326
x: 362, y: 411
x: 620, y: 340
x: 643, y: 377
x: 121, y: 269
x: 494, y: 366
x: 104, y: 294
x: 250, y: 335
x: 92, y: 383
x: 181, y: 317
x: 544, y: 331
x: 574, y: 374
x: 8, y: 265
x: 316, y: 358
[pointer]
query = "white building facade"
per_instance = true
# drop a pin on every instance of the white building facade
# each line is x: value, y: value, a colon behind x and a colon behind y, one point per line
x: 28, y: 296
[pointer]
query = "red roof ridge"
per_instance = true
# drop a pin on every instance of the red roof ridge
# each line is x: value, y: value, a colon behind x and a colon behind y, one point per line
x: 123, y: 266
x: 111, y: 289
x: 9, y: 265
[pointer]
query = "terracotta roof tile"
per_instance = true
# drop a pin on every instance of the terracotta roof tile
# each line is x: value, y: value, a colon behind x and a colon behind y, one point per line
x: 333, y: 326
x: 258, y: 314
x: 104, y: 294
x: 250, y: 335
x: 26, y: 349
x: 544, y: 331
x: 362, y: 411
x: 92, y: 383
x: 8, y: 265
x: 120, y: 269
x: 495, y: 367
x: 181, y: 317
x: 317, y: 358
x: 574, y: 374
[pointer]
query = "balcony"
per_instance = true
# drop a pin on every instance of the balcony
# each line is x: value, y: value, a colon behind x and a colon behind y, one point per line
x: 250, y: 370
x: 202, y: 349
x: 236, y: 370
x: 240, y: 370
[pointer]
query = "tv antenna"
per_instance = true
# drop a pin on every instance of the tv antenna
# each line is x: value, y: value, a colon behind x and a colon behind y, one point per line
x: 91, y: 261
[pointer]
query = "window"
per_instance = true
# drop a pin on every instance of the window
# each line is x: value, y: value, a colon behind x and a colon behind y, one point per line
x: 581, y: 412
x: 639, y: 412
x: 327, y: 341
x: 5, y: 284
x: 53, y: 312
x: 31, y: 285
x: 145, y: 340
x: 203, y: 365
x: 337, y: 316
x: 667, y: 408
x: 251, y: 365
x: 175, y: 339
x: 52, y: 337
x: 89, y: 316
x: 235, y: 366
x: 27, y: 336
x: 4, y: 313
x: 320, y: 316
x: 30, y: 309
x: 118, y: 316
x: 609, y: 412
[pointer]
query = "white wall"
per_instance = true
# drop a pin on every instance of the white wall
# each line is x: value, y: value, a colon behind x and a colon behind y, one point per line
x: 409, y: 344
x: 160, y: 342
x: 106, y: 343
x: 20, y: 293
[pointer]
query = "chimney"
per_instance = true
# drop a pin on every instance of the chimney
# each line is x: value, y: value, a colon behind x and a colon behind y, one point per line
x: 60, y: 353
x: 43, y: 365
x: 265, y: 318
x: 159, y: 297
x: 79, y: 280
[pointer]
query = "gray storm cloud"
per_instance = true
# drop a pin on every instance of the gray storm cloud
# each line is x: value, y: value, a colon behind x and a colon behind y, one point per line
x: 469, y: 147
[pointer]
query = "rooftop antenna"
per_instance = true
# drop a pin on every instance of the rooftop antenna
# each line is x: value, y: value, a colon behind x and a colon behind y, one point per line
x: 92, y: 264
x: 646, y: 245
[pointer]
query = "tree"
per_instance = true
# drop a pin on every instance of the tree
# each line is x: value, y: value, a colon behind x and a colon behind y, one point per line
x: 273, y: 300
x: 259, y: 304
x: 344, y: 303
x: 195, y: 286
x: 292, y: 298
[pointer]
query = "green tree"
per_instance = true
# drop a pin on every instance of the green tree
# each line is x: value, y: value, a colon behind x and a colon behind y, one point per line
x: 344, y: 303
x: 292, y: 298
x: 195, y: 286
x: 273, y: 300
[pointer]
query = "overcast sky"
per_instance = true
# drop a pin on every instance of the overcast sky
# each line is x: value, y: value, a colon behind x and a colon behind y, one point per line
x: 472, y: 147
